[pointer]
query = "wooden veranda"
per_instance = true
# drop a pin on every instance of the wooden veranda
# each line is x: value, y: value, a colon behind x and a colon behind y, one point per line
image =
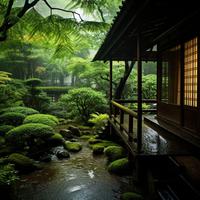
x: 142, y: 31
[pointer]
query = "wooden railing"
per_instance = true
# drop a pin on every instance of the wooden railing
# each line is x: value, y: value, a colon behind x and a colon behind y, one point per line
x: 117, y: 116
x: 118, y: 113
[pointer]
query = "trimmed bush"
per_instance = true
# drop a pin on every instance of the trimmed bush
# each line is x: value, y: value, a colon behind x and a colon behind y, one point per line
x: 22, y: 162
x: 29, y: 134
x: 120, y: 166
x: 72, y: 146
x: 12, y: 118
x: 33, y: 82
x: 20, y: 109
x: 49, y: 120
x: 131, y: 196
x: 5, y: 128
x: 115, y: 152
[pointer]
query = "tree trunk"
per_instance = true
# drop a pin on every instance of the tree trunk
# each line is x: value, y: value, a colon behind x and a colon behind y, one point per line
x: 120, y: 88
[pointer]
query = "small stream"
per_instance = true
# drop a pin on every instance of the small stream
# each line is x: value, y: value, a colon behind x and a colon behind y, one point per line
x: 82, y: 177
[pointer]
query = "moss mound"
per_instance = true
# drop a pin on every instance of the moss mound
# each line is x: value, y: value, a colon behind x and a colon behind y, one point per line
x: 97, y: 149
x: 22, y: 162
x: 12, y: 118
x: 120, y: 166
x: 72, y: 146
x: 115, y: 152
x: 28, y: 134
x: 49, y: 120
x: 20, y: 109
x: 5, y: 128
x: 131, y: 196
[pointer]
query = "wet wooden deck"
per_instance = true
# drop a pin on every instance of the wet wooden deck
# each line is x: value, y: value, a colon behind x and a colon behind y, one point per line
x: 154, y: 142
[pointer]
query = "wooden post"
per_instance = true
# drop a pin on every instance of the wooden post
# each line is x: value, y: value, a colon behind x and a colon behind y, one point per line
x: 110, y: 93
x: 121, y: 119
x: 182, y: 85
x: 130, y: 129
x: 139, y: 95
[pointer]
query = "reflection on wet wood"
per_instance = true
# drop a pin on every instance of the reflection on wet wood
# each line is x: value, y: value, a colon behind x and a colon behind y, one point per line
x: 154, y: 142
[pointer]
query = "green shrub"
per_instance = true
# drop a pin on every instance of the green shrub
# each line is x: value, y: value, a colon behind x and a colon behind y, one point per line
x: 28, y: 134
x: 99, y: 120
x: 49, y: 120
x: 72, y: 146
x: 82, y: 102
x: 12, y: 118
x: 4, y: 129
x: 7, y: 175
x: 20, y: 109
x: 120, y: 166
x: 114, y: 152
x: 33, y: 82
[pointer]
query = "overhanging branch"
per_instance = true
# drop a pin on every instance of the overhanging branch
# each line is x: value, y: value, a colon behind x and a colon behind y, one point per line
x: 74, y: 13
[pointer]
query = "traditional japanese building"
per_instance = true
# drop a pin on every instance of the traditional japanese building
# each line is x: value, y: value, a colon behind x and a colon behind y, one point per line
x: 168, y: 33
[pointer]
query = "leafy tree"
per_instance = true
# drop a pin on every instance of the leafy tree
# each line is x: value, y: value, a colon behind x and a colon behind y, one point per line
x: 12, y: 93
x: 82, y: 102
x: 35, y: 98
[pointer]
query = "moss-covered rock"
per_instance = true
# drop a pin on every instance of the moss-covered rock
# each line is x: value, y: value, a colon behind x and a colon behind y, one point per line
x: 46, y: 119
x: 97, y: 149
x: 12, y: 118
x: 32, y: 134
x: 131, y: 196
x: 5, y: 128
x: 86, y: 137
x: 75, y: 130
x: 72, y: 146
x: 114, y: 152
x: 61, y: 154
x: 120, y: 166
x: 56, y: 139
x: 94, y: 140
x: 22, y: 163
x: 67, y: 134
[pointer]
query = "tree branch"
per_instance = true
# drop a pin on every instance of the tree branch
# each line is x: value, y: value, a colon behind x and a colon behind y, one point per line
x: 63, y: 10
x: 107, y: 79
x: 10, y: 4
x: 8, y: 23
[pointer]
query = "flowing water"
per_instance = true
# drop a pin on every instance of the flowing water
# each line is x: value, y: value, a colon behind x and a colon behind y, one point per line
x: 82, y: 177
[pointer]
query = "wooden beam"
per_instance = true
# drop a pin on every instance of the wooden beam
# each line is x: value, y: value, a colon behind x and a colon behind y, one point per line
x: 139, y: 95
